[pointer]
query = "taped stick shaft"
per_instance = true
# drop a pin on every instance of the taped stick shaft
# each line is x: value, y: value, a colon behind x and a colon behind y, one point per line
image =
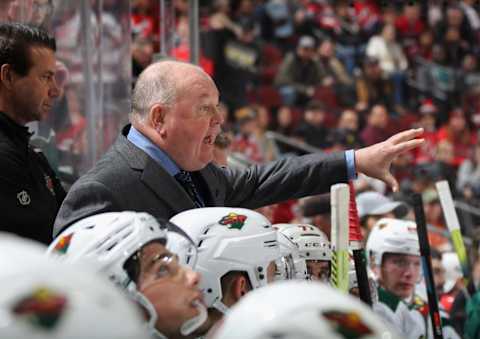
x: 453, y: 225
x: 339, y: 201
x: 362, y: 277
x: 427, y: 266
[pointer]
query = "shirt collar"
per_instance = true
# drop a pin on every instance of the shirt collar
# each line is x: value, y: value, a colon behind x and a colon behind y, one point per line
x: 157, y: 154
x: 16, y: 131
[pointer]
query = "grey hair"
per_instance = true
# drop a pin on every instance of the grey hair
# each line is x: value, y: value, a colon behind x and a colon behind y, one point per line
x: 155, y: 85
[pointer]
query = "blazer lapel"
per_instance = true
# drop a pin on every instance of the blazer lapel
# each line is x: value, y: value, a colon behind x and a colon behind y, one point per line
x: 212, y: 186
x: 166, y: 187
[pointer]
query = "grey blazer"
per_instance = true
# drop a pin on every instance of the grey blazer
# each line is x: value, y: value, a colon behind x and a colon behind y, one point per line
x: 126, y: 178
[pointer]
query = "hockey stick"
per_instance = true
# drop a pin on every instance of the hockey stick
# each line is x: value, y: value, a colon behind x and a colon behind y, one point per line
x: 356, y: 245
x: 453, y: 225
x: 427, y: 265
x: 339, y: 236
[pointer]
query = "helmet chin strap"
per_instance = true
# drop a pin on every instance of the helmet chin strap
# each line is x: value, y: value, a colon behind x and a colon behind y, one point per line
x: 220, y: 307
x: 147, y: 305
x: 189, y: 326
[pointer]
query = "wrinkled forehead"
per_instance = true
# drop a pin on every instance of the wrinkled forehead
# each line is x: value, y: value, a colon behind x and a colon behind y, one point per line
x: 199, y: 85
x: 42, y: 58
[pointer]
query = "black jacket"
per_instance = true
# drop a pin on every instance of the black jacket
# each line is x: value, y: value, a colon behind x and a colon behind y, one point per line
x: 30, y: 192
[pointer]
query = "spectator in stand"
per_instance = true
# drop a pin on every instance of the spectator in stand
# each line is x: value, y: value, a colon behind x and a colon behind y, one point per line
x: 442, y: 167
x: 299, y: 74
x: 377, y: 126
x: 371, y: 87
x: 458, y: 133
x: 277, y: 23
x: 312, y: 129
x: 182, y: 49
x: 245, y: 140
x: 342, y: 26
x: 455, y: 34
x: 142, y: 55
x: 425, y: 44
x: 392, y: 61
x: 368, y: 16
x: 284, y: 122
x: 468, y: 179
x: 241, y: 55
x: 434, y: 217
x: 472, y: 17
x: 220, y: 18
x: 409, y: 27
x: 345, y: 135
x: 143, y: 22
x: 427, y: 120
x: 336, y: 76
x: 263, y: 124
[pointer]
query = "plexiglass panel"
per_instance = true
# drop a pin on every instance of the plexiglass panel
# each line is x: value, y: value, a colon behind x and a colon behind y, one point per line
x: 94, y: 72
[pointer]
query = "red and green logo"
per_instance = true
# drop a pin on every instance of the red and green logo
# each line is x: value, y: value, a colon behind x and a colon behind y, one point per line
x: 348, y: 324
x: 42, y: 308
x: 63, y: 244
x: 233, y: 221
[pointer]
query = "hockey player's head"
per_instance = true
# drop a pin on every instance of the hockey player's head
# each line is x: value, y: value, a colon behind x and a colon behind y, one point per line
x: 313, y: 246
x: 237, y: 250
x: 394, y: 255
x: 130, y: 249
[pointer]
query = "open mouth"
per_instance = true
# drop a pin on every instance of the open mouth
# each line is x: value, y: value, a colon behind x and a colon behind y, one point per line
x: 209, y: 140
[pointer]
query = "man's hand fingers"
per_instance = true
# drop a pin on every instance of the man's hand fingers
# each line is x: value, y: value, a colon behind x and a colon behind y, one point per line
x: 406, y: 146
x: 391, y: 181
x: 406, y: 135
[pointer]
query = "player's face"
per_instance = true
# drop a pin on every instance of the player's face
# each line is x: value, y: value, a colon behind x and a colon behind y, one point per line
x: 399, y: 274
x: 318, y: 269
x: 171, y: 288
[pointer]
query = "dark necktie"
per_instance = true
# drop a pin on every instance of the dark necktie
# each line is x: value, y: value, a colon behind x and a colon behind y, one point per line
x: 185, y: 179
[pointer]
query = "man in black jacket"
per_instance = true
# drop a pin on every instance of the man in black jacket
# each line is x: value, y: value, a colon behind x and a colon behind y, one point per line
x: 30, y: 193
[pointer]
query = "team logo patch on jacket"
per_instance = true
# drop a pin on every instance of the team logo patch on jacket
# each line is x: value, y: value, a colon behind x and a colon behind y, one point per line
x: 233, y: 221
x: 347, y: 324
x: 63, y: 244
x: 42, y: 308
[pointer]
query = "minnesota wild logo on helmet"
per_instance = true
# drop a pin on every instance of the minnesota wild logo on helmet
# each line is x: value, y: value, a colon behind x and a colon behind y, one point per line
x: 233, y: 221
x: 42, y: 308
x: 63, y: 244
x: 347, y: 324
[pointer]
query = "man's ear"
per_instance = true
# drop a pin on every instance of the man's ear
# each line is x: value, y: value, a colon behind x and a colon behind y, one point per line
x: 156, y: 116
x: 240, y: 287
x: 7, y: 76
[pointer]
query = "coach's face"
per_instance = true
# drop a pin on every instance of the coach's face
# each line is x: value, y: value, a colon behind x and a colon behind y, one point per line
x: 32, y: 96
x: 192, y: 123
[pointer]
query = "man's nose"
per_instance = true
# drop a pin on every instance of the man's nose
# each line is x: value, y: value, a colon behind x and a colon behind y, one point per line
x: 54, y: 90
x: 193, y: 278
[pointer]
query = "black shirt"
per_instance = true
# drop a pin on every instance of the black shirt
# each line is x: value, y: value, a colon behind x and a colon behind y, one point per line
x: 30, y: 192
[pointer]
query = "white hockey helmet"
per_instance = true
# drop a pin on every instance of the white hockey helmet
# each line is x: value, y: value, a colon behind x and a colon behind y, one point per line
x: 229, y: 239
x: 108, y: 240
x: 392, y: 236
x: 301, y: 310
x: 291, y: 265
x: 312, y: 243
x: 45, y: 299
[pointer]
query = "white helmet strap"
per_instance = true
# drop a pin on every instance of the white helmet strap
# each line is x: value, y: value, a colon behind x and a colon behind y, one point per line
x: 220, y: 307
x: 147, y: 305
